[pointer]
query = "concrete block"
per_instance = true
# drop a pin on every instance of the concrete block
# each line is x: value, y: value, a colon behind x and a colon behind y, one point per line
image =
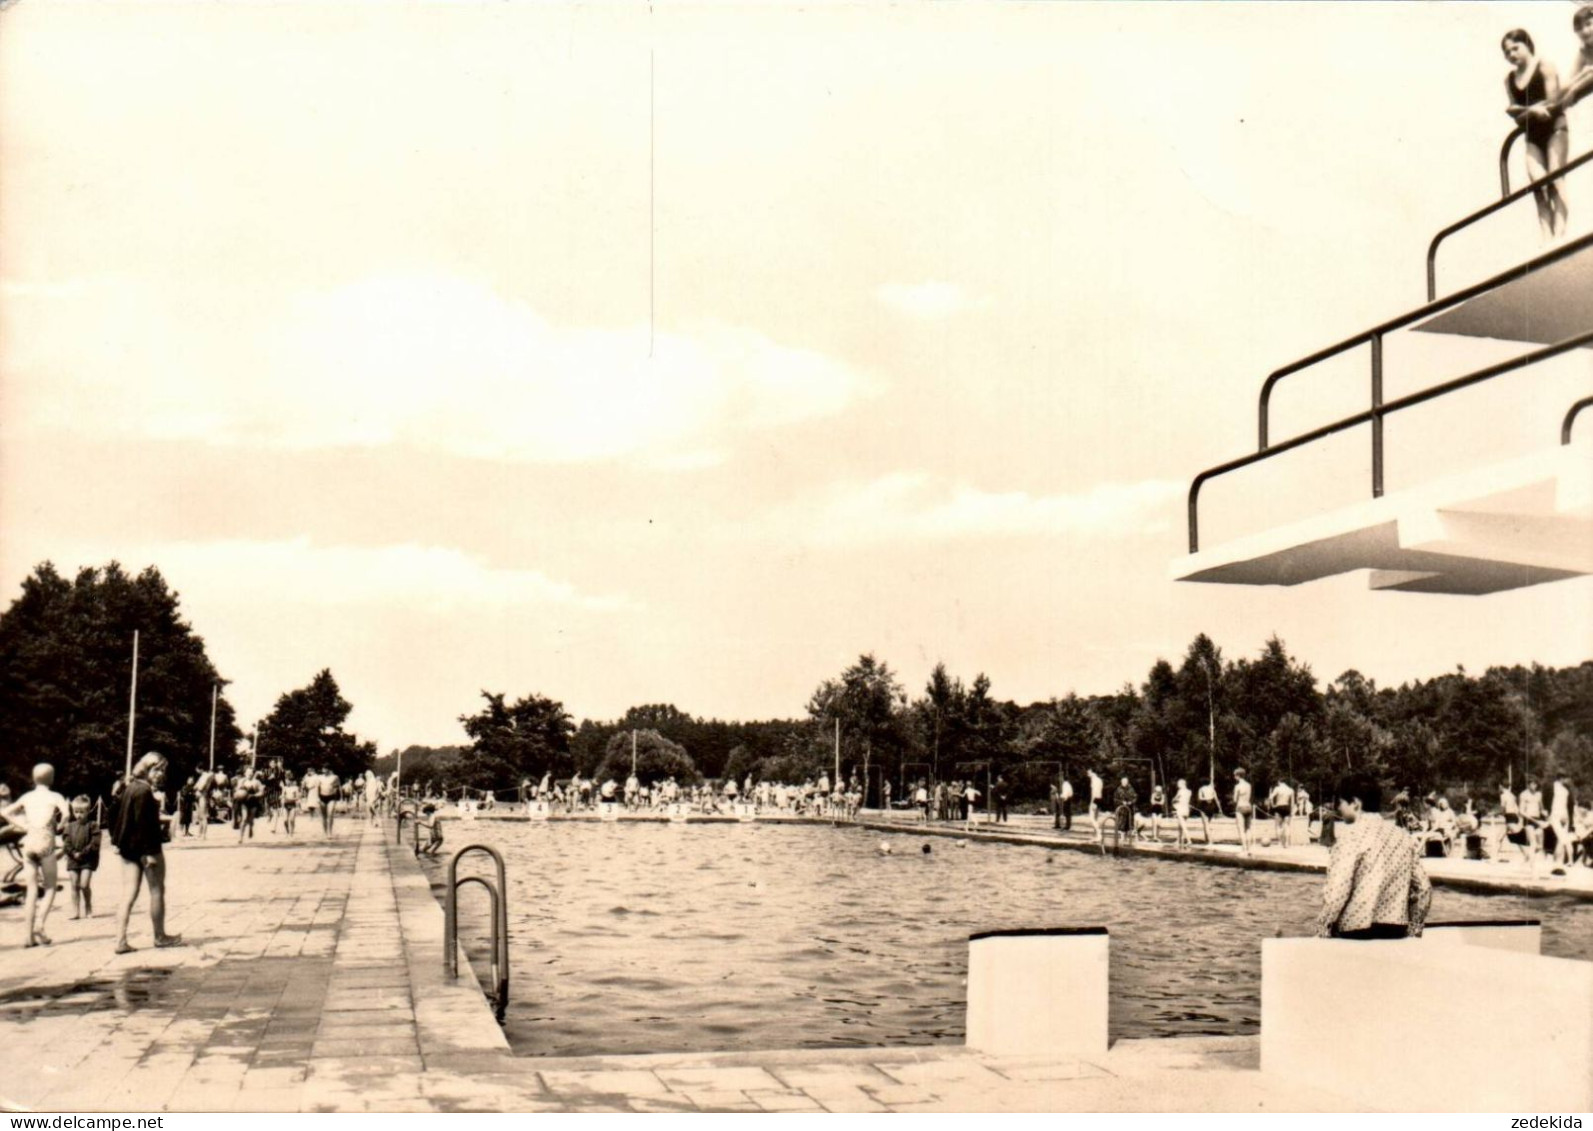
x: 1522, y: 935
x: 1041, y: 991
x: 1412, y: 1026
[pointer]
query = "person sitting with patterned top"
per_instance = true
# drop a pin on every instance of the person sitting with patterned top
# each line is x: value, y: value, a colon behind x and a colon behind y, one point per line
x: 1376, y: 886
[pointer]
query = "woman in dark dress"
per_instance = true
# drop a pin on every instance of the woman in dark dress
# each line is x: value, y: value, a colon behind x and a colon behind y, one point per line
x: 1533, y: 87
x: 136, y: 831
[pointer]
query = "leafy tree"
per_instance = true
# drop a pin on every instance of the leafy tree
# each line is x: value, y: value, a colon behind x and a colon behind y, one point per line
x: 988, y: 726
x: 1352, y: 739
x: 741, y: 762
x: 305, y: 730
x: 657, y: 758
x: 871, y: 707
x: 514, y: 741
x: 1483, y: 726
x: 65, y: 667
x: 938, y: 716
x: 1067, y: 731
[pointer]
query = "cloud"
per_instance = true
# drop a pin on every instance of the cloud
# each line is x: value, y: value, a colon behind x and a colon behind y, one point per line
x: 439, y: 363
x: 297, y: 572
x: 927, y: 300
x: 916, y: 506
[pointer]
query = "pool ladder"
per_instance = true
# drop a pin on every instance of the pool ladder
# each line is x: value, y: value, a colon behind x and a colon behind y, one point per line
x: 414, y: 824
x: 500, y: 923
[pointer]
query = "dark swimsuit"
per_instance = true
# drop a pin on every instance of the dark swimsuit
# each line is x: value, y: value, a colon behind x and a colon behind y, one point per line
x: 1539, y: 132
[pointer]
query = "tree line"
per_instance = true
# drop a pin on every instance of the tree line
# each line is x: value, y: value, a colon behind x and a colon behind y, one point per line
x: 66, y: 666
x: 64, y: 685
x: 1204, y: 717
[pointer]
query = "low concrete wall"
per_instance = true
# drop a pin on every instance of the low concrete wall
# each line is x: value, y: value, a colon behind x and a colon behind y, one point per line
x: 1039, y: 992
x: 1524, y: 936
x: 1413, y: 1026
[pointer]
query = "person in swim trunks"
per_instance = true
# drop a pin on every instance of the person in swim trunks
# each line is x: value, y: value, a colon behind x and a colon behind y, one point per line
x: 290, y: 803
x: 1181, y: 804
x: 1532, y: 812
x: 42, y: 813
x: 1208, y: 806
x: 1244, y: 812
x: 1158, y: 810
x: 1281, y: 801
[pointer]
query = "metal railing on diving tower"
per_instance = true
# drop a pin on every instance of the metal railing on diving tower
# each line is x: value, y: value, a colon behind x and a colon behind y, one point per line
x: 1379, y: 408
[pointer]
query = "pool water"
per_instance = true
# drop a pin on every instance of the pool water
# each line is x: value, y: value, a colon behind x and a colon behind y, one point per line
x: 633, y: 937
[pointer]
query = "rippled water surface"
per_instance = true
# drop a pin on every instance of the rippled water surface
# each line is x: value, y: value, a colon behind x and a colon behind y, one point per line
x: 641, y: 937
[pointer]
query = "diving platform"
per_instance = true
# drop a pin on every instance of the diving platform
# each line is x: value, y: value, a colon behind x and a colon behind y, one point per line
x: 1507, y: 526
x: 1492, y: 528
x: 1541, y: 306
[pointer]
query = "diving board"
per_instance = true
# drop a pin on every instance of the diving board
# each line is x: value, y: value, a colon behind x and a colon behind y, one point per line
x: 1507, y: 526
x: 1545, y: 306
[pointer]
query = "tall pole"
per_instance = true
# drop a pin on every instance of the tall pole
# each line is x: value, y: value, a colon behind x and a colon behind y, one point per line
x: 837, y: 751
x: 132, y: 706
x: 215, y: 692
x: 633, y: 752
x: 1211, y: 721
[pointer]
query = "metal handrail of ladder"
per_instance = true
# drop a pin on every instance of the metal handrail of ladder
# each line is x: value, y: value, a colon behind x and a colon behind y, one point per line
x: 500, y: 922
x: 414, y: 821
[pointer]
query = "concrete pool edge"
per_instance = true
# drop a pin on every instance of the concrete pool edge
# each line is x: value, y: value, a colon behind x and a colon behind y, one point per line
x: 452, y: 1017
x: 1440, y: 872
x: 1462, y: 875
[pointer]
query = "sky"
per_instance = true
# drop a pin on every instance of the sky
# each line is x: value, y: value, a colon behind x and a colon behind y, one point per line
x: 682, y: 354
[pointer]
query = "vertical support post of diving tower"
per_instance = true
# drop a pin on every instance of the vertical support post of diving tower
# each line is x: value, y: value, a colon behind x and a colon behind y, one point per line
x: 1377, y: 416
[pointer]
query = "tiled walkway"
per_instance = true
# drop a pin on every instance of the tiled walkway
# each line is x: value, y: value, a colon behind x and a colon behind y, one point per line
x: 312, y: 980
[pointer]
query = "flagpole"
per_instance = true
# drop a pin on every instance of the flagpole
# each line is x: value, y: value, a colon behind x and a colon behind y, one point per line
x: 215, y: 691
x: 132, y: 706
x: 837, y: 752
x: 633, y: 752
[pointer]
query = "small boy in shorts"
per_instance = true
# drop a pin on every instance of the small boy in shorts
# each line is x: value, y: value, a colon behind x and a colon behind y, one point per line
x: 81, y: 847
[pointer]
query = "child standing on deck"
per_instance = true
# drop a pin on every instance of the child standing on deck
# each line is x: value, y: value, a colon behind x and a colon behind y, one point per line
x: 81, y: 844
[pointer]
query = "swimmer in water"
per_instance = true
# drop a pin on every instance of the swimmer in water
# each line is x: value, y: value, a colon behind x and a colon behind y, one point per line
x: 927, y: 850
x: 42, y: 813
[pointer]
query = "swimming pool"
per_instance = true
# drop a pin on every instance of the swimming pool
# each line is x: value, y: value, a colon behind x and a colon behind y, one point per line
x: 635, y: 937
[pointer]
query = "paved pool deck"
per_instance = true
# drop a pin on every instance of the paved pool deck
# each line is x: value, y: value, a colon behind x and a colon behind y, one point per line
x: 311, y: 980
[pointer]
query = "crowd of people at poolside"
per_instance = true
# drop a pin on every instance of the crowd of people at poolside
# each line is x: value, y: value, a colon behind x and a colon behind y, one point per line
x: 271, y: 797
x: 43, y: 832
x: 818, y: 796
x: 1557, y: 831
